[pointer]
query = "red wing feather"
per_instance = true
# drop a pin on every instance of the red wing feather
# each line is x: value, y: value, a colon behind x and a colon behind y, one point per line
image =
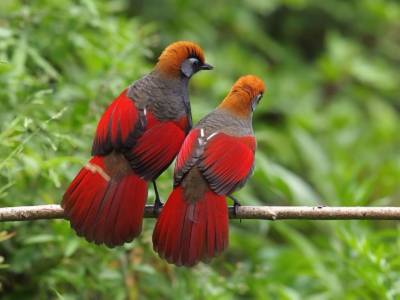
x: 188, y: 155
x: 118, y: 127
x: 156, y: 149
x: 227, y: 161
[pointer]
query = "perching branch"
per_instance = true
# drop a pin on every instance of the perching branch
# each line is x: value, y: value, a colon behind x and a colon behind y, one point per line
x: 41, y: 212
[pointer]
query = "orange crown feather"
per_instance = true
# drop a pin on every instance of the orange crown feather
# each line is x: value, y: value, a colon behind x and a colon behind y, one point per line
x: 242, y: 93
x: 172, y: 57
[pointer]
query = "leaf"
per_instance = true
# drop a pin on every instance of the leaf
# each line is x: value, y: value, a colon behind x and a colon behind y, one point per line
x: 42, y: 63
x: 297, y: 189
x: 40, y: 239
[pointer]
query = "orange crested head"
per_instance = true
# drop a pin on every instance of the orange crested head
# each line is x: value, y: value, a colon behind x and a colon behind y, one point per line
x: 244, y: 95
x: 182, y: 59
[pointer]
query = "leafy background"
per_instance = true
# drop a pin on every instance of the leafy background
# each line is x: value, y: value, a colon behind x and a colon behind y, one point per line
x: 328, y: 132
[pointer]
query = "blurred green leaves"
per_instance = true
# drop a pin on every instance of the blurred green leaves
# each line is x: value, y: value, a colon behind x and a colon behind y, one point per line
x: 327, y: 129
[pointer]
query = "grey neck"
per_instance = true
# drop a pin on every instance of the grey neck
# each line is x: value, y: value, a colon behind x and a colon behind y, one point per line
x: 222, y: 120
x: 167, y: 98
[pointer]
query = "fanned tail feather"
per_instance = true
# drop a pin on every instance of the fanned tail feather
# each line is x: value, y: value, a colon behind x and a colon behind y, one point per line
x: 189, y: 232
x: 103, y: 209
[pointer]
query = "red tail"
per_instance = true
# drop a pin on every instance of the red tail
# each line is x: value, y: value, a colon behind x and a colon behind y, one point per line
x: 105, y: 209
x: 188, y: 232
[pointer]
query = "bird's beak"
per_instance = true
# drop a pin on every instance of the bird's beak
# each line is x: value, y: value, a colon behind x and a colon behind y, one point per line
x: 206, y: 67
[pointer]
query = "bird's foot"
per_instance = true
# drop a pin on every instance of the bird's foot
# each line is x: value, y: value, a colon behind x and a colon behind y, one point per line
x: 236, y: 204
x: 157, y: 205
x: 157, y: 202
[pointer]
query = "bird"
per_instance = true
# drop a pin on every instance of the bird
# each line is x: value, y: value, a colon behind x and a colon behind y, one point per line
x: 216, y: 159
x: 136, y: 139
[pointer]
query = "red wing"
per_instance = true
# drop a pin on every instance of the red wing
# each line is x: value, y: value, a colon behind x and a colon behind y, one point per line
x: 118, y: 127
x: 227, y: 161
x: 188, y: 155
x: 156, y: 149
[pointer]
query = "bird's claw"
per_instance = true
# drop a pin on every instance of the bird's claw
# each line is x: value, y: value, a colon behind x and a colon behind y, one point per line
x: 157, y: 205
x: 236, y: 204
x: 157, y: 202
x: 235, y: 207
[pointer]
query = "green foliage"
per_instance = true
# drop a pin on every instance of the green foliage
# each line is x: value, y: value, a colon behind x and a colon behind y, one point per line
x: 328, y: 132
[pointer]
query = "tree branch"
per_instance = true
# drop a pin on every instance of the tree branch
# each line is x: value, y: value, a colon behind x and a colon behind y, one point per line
x: 42, y: 212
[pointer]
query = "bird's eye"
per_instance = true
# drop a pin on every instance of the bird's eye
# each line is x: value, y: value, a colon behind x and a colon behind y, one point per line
x: 191, y: 66
x: 196, y: 63
x: 259, y: 96
x: 255, y: 101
